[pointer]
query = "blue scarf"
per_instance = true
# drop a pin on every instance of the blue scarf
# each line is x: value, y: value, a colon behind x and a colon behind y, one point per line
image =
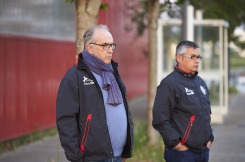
x: 109, y: 82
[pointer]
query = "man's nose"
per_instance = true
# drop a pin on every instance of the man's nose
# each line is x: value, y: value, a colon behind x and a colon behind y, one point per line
x: 197, y: 60
x: 110, y: 49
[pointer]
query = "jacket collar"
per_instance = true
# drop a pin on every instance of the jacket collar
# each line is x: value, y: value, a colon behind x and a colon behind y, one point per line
x: 81, y: 65
x: 184, y: 73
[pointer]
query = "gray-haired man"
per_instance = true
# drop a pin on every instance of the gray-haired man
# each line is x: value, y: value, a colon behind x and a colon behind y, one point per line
x: 93, y: 118
x: 181, y: 112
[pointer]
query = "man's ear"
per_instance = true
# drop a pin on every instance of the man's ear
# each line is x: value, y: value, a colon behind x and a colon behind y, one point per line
x: 178, y: 58
x: 88, y: 47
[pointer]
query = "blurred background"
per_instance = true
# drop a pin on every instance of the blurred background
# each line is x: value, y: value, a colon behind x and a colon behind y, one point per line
x: 38, y: 44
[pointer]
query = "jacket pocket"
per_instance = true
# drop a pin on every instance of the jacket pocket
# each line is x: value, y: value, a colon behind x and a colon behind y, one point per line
x: 86, y: 131
x: 188, y: 129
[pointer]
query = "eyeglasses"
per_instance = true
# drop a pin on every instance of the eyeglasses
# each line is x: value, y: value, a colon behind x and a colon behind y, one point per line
x: 193, y: 57
x: 106, y: 46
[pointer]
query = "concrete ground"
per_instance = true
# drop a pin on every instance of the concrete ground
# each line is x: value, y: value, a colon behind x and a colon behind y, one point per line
x: 229, y: 144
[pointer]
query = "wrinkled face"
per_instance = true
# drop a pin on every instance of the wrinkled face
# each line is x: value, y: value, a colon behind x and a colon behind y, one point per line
x: 189, y: 61
x: 99, y: 45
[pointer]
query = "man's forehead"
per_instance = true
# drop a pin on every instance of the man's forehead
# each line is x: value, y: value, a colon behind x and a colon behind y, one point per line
x: 190, y: 49
x: 100, y: 34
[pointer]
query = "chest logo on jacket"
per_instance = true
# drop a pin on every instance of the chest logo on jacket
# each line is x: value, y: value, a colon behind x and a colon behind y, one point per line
x: 87, y: 81
x: 189, y: 91
x: 203, y: 90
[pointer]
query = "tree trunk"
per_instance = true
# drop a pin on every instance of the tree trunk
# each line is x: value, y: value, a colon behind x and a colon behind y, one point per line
x: 153, y: 12
x: 86, y: 16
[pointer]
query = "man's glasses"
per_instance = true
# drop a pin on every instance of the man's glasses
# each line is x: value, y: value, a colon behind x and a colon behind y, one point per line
x: 193, y: 57
x: 106, y: 46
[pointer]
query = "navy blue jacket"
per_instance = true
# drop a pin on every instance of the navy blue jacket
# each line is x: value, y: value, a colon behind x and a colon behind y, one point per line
x: 81, y: 116
x: 181, y: 111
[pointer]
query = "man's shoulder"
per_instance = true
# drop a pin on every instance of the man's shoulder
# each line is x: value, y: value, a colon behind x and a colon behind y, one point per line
x: 200, y: 80
x: 170, y: 77
x: 71, y: 73
x: 72, y: 70
x: 198, y: 77
x: 169, y: 80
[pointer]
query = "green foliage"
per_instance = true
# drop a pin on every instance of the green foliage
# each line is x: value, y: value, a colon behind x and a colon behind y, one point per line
x: 69, y: 1
x: 14, y: 143
x: 142, y: 152
x: 104, y: 6
x: 231, y: 11
x: 241, y: 45
x: 237, y: 61
x: 232, y: 90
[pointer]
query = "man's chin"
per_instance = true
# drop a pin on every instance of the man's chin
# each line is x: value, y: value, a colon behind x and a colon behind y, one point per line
x: 108, y: 62
x: 194, y: 71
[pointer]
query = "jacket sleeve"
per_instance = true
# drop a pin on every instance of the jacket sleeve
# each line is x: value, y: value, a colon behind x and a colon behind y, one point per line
x: 67, y: 110
x: 162, y: 110
x: 211, y: 138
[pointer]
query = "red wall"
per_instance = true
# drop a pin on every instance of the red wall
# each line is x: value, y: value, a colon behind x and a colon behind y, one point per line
x: 130, y: 49
x: 31, y: 69
x: 30, y: 72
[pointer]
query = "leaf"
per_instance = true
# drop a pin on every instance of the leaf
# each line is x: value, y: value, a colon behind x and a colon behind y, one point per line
x: 104, y: 6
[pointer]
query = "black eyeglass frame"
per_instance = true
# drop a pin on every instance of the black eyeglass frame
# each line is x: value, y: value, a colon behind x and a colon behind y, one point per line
x: 106, y: 46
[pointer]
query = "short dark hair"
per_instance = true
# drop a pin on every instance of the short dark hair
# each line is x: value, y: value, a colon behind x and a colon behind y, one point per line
x: 181, y: 47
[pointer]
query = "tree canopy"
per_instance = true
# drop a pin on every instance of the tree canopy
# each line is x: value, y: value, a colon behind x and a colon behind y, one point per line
x: 231, y: 11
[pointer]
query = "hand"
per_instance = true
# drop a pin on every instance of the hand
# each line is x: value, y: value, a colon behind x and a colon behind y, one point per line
x: 180, y: 147
x: 124, y: 159
x: 209, y: 144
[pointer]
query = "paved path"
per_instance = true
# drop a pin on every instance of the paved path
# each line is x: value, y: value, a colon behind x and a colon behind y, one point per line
x: 229, y: 144
x: 49, y: 148
x: 45, y: 150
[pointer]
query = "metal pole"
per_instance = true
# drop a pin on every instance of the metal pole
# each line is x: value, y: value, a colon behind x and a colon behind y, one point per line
x: 188, y: 22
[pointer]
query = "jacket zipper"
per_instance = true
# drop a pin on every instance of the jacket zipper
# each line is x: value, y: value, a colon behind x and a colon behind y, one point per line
x: 86, y: 130
x: 188, y: 129
x: 101, y: 95
x: 102, y: 99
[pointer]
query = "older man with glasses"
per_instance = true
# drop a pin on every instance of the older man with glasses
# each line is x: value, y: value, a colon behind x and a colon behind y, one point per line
x: 181, y: 112
x: 93, y: 119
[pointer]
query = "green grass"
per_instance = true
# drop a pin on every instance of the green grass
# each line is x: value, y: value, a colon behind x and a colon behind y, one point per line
x: 142, y: 152
x: 36, y: 135
x: 232, y: 90
x: 237, y: 61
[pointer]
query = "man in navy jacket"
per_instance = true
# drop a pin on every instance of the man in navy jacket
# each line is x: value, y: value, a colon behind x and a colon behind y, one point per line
x: 181, y: 112
x: 93, y: 119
